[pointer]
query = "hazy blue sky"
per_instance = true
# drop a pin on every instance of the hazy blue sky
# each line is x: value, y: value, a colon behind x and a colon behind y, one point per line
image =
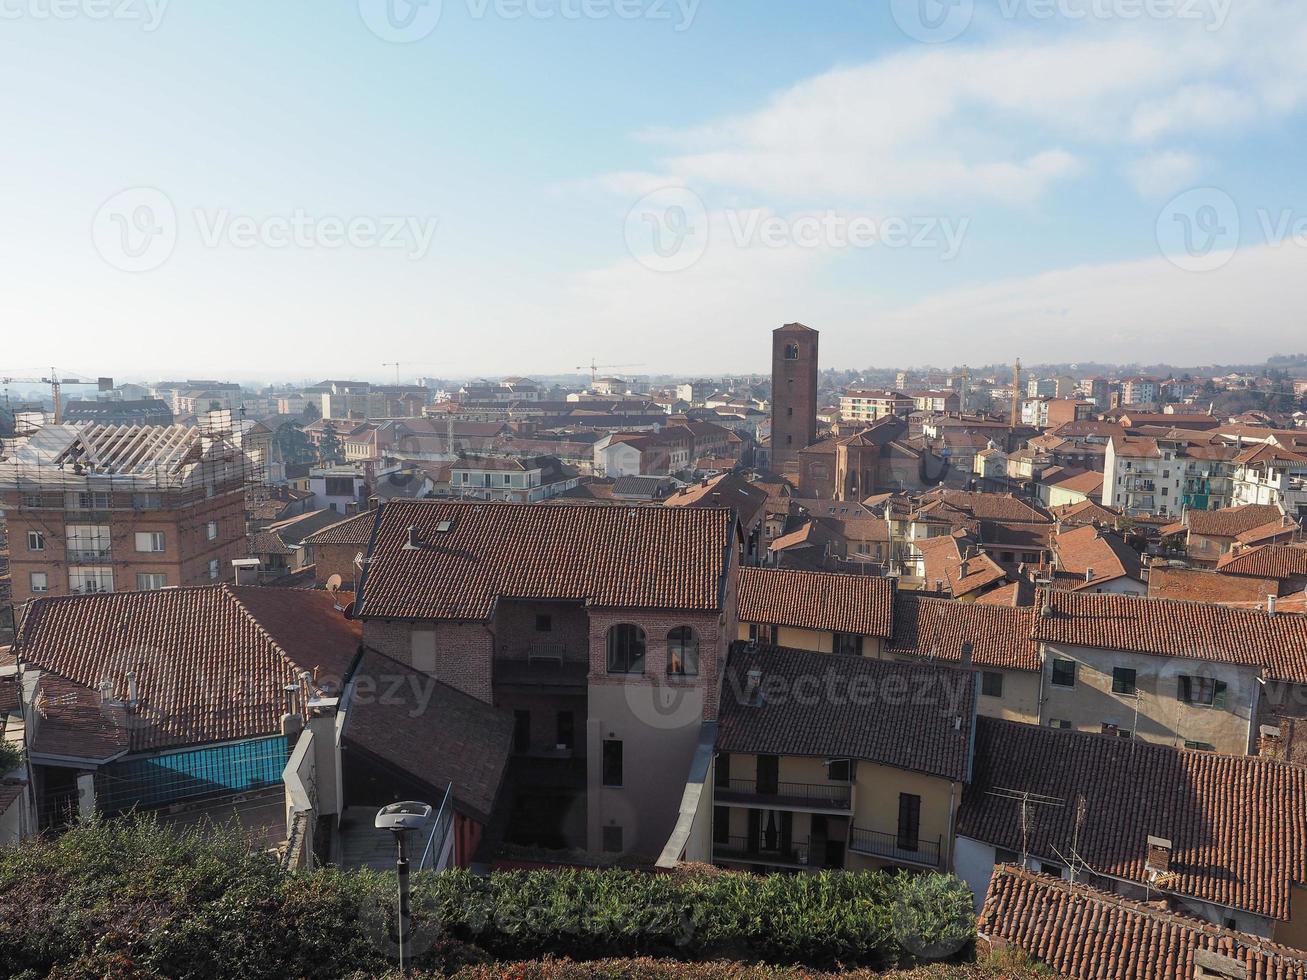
x: 294, y: 189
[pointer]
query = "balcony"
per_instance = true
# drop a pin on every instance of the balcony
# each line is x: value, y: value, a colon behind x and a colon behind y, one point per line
x: 745, y: 850
x: 544, y: 663
x: 88, y: 556
x: 892, y: 847
x: 836, y: 797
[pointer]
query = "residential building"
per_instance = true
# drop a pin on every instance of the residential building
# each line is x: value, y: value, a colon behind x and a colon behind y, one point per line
x: 819, y: 611
x: 994, y: 641
x: 122, y: 508
x: 1164, y: 474
x: 801, y: 781
x: 341, y: 488
x: 728, y: 490
x: 1267, y: 474
x: 1211, y: 535
x: 173, y: 699
x: 1161, y: 670
x: 870, y: 406
x: 339, y: 549
x: 527, y: 480
x: 1213, y: 835
x: 1141, y: 392
x: 935, y: 401
x: 794, y: 393
x: 143, y: 411
x: 280, y: 546
x: 602, y: 631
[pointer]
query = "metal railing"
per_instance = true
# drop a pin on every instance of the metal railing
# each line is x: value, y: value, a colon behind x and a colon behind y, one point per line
x: 756, y: 850
x: 894, y: 847
x: 819, y: 794
x: 78, y: 556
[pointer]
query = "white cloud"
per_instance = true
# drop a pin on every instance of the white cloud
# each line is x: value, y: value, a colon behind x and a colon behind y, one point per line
x: 1003, y: 120
x: 1162, y: 173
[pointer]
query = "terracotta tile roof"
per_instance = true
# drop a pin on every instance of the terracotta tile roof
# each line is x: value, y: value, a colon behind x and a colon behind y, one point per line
x: 1003, y: 507
x: 430, y: 731
x: 1085, y: 512
x: 1230, y: 521
x: 1020, y: 593
x: 356, y: 530
x: 72, y: 724
x: 1105, y: 552
x: 1087, y: 482
x: 618, y: 557
x: 796, y: 715
x: 929, y: 627
x: 1281, y: 531
x: 1272, y: 561
x: 267, y: 542
x: 1201, y: 585
x: 211, y: 662
x: 1086, y: 934
x: 861, y: 604
x: 727, y: 490
x: 1236, y: 823
x: 943, y: 563
x: 1170, y: 627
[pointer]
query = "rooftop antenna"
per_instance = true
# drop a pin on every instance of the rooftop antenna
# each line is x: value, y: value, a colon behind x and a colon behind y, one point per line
x: 1027, y: 799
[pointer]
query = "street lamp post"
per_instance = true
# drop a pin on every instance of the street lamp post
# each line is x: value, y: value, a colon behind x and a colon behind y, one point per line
x: 399, y: 819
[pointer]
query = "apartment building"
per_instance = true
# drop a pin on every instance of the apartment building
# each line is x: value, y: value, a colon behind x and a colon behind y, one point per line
x: 801, y: 781
x: 601, y: 631
x: 869, y: 406
x: 1166, y: 474
x: 1268, y: 474
x: 122, y: 508
x: 1209, y: 536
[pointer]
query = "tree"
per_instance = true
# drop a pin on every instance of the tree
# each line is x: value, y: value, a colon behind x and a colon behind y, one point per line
x: 311, y: 412
x: 329, y: 448
x: 293, y: 445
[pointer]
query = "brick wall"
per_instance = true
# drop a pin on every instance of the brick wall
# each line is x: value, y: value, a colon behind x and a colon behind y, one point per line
x: 457, y: 654
x: 337, y: 559
x: 713, y: 642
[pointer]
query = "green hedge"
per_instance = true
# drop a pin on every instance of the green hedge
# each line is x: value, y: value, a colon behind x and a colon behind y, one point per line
x: 130, y: 898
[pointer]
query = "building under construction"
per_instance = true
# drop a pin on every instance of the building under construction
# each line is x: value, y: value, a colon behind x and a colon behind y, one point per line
x: 103, y: 508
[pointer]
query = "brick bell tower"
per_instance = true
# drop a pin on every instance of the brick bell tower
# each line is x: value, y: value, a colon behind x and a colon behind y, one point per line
x: 794, y: 392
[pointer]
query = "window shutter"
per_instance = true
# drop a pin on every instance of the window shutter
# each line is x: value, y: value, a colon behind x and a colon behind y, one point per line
x: 1218, y: 697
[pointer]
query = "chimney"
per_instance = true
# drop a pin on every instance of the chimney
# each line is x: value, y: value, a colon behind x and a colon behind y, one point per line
x: 1089, y: 574
x: 967, y: 649
x: 106, y: 691
x: 1271, y: 601
x: 133, y: 693
x: 414, y: 542
x: 964, y: 569
x: 752, y: 684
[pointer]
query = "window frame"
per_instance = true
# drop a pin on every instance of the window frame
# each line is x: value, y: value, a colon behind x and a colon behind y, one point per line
x: 1120, y: 685
x: 621, y: 646
x: 39, y: 537
x: 1054, y: 664
x: 612, y: 764
x: 154, y: 538
x: 31, y: 583
x: 162, y: 577
x: 986, y: 677
x: 687, y: 652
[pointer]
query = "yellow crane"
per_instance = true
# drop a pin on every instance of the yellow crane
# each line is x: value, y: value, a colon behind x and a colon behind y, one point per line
x: 594, y: 369
x: 57, y: 384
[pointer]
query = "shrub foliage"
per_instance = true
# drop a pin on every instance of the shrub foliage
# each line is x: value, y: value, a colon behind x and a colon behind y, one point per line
x: 131, y: 898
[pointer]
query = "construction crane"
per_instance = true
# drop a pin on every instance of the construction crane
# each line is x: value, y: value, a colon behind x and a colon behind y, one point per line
x: 56, y: 384
x: 398, y: 364
x: 594, y: 369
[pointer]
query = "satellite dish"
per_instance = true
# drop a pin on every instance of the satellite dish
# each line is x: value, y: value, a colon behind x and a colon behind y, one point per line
x: 333, y: 584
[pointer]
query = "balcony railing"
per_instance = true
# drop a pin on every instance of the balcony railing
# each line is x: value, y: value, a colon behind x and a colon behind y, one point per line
x: 83, y: 556
x: 826, y: 795
x: 757, y: 851
x: 892, y: 847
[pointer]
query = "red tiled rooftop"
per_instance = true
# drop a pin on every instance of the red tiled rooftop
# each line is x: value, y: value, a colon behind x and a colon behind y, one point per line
x: 860, y: 604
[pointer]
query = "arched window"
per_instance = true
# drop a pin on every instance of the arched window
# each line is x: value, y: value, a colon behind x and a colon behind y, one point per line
x: 683, y: 652
x: 625, y: 649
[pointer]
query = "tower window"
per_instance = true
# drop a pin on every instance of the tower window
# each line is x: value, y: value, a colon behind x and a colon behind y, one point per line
x: 791, y: 352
